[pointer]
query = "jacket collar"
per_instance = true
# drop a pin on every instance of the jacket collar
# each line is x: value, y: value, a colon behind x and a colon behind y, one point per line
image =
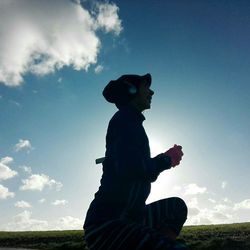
x: 129, y: 109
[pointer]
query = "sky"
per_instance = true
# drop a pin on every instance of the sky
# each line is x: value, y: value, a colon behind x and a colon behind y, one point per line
x: 55, y: 59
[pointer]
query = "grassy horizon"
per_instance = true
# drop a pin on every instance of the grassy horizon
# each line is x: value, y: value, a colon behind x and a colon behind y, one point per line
x: 205, y: 237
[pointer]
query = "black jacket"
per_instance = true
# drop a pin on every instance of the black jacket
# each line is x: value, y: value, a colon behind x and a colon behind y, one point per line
x: 128, y: 170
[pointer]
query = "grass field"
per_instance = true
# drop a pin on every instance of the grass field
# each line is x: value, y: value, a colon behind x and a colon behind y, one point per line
x: 212, y: 237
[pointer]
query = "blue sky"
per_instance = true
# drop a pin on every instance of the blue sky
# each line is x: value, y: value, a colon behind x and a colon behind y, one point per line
x: 55, y: 60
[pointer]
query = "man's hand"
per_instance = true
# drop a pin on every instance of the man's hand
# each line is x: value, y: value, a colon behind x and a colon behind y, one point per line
x: 175, y: 153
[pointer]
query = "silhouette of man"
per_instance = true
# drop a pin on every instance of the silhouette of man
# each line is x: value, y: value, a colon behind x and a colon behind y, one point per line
x: 118, y: 217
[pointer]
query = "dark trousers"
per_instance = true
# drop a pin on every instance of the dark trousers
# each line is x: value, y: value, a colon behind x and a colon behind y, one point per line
x: 124, y: 234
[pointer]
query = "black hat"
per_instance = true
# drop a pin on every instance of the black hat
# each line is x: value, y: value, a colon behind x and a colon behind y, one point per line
x: 122, y: 90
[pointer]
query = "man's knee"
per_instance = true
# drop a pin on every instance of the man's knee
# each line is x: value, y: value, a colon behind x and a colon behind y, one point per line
x: 180, y: 208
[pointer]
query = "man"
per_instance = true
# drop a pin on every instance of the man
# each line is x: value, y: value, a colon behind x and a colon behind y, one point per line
x: 118, y: 217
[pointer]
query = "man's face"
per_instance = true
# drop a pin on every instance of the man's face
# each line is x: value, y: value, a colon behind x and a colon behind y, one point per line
x: 143, y: 99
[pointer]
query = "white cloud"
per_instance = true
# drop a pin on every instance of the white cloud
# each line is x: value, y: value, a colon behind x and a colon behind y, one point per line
x: 99, y: 69
x: 226, y: 200
x: 4, y: 193
x: 207, y: 209
x: 5, y: 171
x: 17, y: 104
x: 193, y: 202
x: 23, y: 145
x: 212, y: 200
x: 193, y: 189
x: 40, y: 37
x: 39, y: 182
x: 193, y: 211
x: 22, y: 204
x: 6, y: 160
x: 223, y: 184
x: 108, y: 19
x: 222, y: 208
x: 69, y: 223
x: 24, y: 222
x: 220, y: 217
x: 59, y: 202
x: 242, y: 205
x: 200, y: 212
x: 199, y: 216
x: 42, y: 200
x: 26, y: 169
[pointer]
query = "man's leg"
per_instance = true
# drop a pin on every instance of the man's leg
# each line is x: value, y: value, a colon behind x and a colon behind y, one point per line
x: 124, y: 235
x: 167, y: 216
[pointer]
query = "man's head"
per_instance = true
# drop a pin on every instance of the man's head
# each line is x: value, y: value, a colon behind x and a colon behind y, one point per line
x: 130, y: 89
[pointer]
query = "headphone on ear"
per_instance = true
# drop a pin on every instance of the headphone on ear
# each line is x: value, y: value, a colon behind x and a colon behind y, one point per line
x: 132, y: 90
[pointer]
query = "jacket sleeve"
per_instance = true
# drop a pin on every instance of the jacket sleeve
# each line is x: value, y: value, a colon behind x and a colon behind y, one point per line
x: 129, y: 159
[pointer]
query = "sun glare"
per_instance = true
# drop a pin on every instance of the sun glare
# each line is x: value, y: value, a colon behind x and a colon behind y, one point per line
x: 156, y: 147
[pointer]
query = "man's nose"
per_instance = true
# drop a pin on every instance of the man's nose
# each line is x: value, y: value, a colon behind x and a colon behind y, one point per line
x: 151, y: 92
